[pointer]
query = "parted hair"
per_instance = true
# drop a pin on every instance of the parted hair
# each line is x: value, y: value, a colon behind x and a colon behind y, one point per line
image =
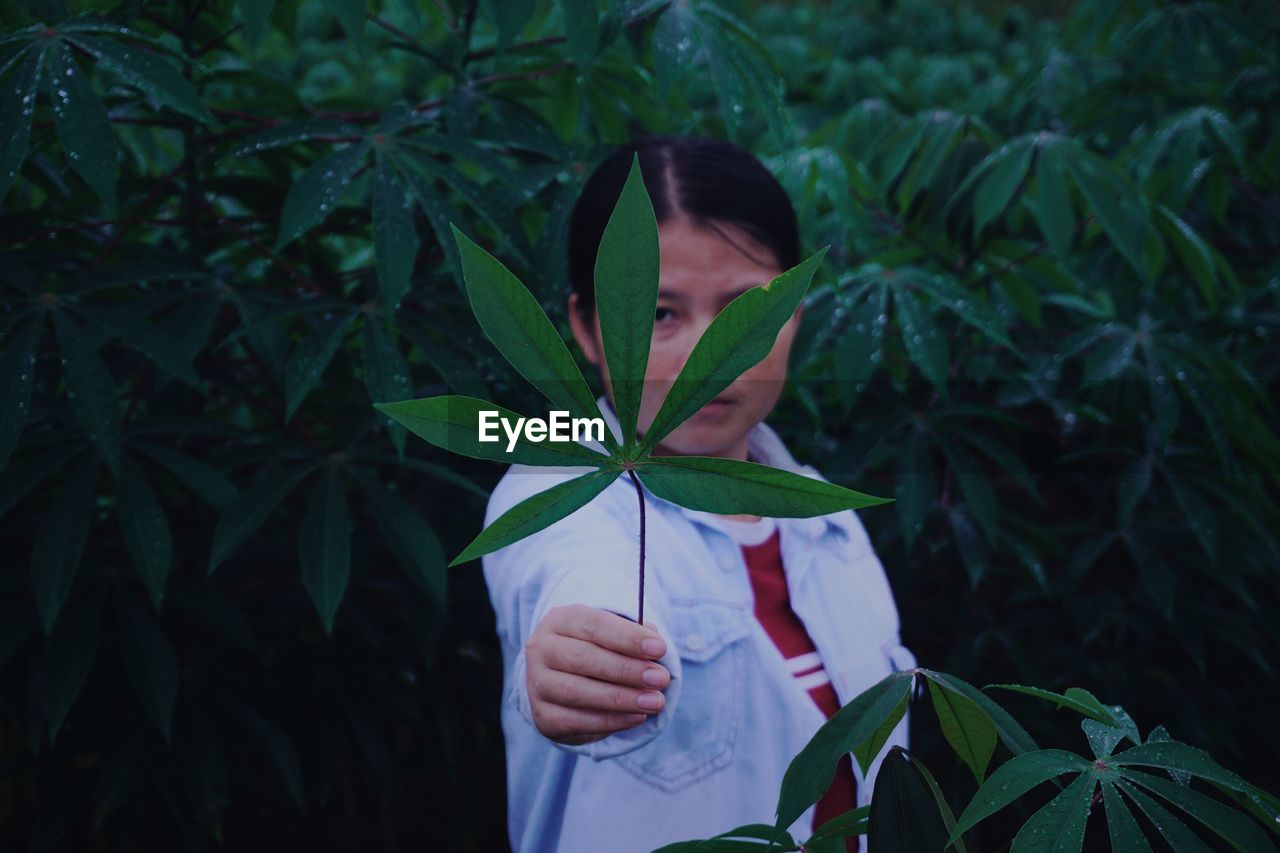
x: 711, y: 181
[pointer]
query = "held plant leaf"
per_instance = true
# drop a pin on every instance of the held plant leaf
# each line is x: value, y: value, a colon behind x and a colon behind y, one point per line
x: 626, y: 283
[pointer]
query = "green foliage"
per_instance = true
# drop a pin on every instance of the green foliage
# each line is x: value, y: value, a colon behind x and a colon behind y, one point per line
x: 626, y: 286
x: 908, y: 811
x: 1045, y: 324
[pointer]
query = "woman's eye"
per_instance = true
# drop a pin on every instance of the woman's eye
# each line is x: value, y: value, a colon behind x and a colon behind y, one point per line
x: 658, y: 316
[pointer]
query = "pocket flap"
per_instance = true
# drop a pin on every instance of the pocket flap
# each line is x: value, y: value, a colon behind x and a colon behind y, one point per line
x: 701, y: 628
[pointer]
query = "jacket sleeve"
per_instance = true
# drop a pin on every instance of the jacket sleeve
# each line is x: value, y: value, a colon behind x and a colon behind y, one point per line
x: 589, y: 557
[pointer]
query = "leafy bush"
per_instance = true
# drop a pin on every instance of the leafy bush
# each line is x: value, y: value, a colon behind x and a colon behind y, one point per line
x: 908, y: 811
x: 1043, y: 326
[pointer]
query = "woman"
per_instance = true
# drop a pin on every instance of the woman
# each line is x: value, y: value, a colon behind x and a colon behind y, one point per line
x: 625, y: 737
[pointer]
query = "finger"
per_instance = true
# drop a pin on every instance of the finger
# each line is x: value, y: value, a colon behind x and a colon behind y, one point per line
x: 608, y: 629
x: 579, y: 657
x: 576, y: 691
x: 580, y: 726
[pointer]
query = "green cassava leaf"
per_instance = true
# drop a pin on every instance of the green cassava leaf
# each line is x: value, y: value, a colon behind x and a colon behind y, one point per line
x: 582, y: 30
x: 67, y: 657
x: 60, y: 540
x: 1179, y: 836
x: 948, y: 818
x: 537, y: 512
x: 1013, y: 779
x: 865, y: 753
x: 626, y: 295
x: 291, y: 132
x: 386, y: 375
x: 19, y: 479
x: 142, y: 67
x: 436, y: 209
x: 17, y: 375
x: 1231, y: 825
x: 1172, y: 755
x: 979, y: 496
x: 454, y: 422
x: 1102, y: 738
x: 255, y: 14
x: 1123, y: 830
x: 810, y: 773
x: 1093, y: 710
x: 516, y: 324
x: 395, y: 240
x: 145, y: 528
x: 409, y: 536
x: 309, y: 358
x: 350, y: 15
x: 495, y: 205
x: 150, y: 662
x: 154, y: 341
x: 860, y: 349
x: 1114, y: 204
x: 904, y: 815
x: 1051, y: 205
x: 90, y: 389
x: 272, y: 742
x: 211, y: 485
x: 1008, y: 169
x: 1059, y: 826
x: 324, y: 545
x: 739, y: 337
x: 241, y: 518
x: 943, y: 129
x: 316, y: 192
x: 1012, y: 734
x: 1192, y: 250
x: 726, y: 78
x: 83, y: 127
x: 508, y: 17
x: 732, y: 486
x: 916, y: 489
x: 17, y: 105
x: 924, y: 342
x: 969, y: 730
x: 968, y: 306
x: 829, y: 837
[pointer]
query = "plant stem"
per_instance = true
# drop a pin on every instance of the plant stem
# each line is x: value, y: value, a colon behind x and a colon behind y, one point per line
x: 640, y: 497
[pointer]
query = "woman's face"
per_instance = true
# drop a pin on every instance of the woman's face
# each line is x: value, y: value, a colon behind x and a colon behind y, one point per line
x: 701, y: 272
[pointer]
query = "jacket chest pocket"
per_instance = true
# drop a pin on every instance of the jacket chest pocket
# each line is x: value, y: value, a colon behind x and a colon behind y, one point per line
x: 711, y: 639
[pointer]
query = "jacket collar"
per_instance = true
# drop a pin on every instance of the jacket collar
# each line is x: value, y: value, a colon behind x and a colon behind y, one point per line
x: 763, y: 446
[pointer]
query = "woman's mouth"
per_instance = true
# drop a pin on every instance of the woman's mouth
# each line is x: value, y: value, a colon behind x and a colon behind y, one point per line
x: 719, y: 404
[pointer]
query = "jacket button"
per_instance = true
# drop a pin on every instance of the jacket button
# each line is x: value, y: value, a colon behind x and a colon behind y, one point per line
x: 694, y: 642
x: 727, y: 562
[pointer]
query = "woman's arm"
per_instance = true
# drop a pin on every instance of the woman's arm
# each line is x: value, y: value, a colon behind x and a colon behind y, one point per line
x: 567, y: 598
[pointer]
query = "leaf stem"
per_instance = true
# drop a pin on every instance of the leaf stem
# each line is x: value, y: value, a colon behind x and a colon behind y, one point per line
x: 639, y: 497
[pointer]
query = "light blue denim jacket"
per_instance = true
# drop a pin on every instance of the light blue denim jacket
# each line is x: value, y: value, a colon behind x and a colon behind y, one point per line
x: 713, y: 758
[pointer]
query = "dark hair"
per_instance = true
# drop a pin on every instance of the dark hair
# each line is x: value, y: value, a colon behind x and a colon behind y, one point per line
x: 709, y: 180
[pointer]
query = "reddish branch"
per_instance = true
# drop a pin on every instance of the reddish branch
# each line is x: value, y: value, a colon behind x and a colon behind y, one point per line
x: 640, y: 498
x: 412, y: 44
x: 265, y: 252
x: 136, y: 217
x: 1027, y: 255
x: 217, y: 41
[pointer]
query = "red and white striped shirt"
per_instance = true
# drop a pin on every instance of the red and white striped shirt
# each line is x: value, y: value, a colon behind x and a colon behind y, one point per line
x: 760, y: 543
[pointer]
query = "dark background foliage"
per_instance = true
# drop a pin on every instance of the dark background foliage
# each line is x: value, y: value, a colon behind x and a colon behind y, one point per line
x: 1046, y: 326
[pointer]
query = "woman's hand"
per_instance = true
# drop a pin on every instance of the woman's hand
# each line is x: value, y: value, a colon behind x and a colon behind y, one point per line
x: 589, y: 673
